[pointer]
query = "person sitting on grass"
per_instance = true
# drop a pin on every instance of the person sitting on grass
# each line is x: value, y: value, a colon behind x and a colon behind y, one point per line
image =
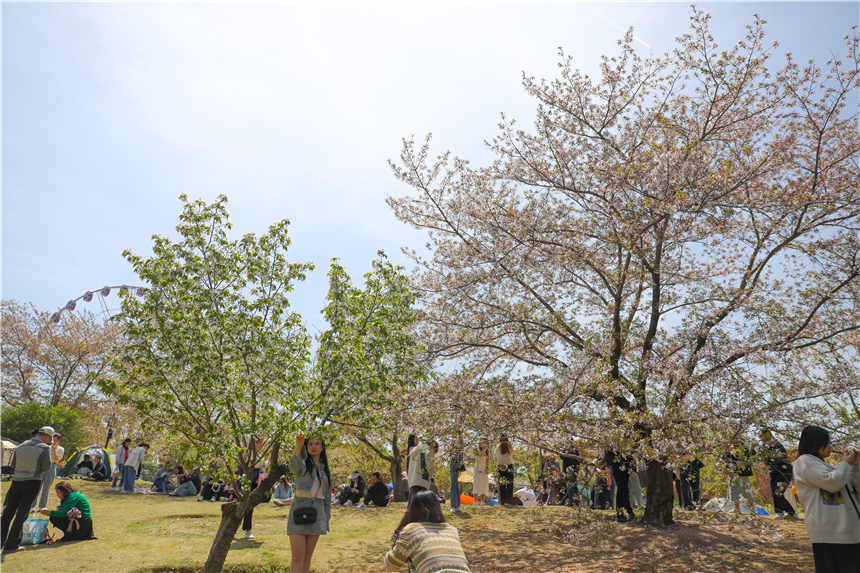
x: 159, y: 478
x: 99, y: 472
x: 189, y: 484
x: 282, y: 494
x: 74, y: 518
x: 377, y: 493
x: 427, y: 541
x: 85, y: 467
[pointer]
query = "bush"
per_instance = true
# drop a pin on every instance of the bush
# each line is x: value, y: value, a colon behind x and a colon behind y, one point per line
x: 18, y: 423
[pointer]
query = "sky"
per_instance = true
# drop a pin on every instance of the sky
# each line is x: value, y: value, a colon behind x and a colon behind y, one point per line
x: 110, y: 111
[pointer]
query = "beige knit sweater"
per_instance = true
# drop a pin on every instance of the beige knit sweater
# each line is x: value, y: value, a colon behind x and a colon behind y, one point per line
x: 432, y: 547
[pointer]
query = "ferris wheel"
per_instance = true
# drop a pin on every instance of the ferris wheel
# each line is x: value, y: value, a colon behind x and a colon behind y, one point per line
x: 99, y: 294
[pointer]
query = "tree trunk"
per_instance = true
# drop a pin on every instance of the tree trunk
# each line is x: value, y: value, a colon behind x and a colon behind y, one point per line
x: 661, y: 499
x: 231, y: 518
x: 233, y: 512
x: 397, y: 479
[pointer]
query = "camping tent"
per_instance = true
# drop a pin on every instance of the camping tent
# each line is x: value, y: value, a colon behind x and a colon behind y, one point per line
x: 106, y: 454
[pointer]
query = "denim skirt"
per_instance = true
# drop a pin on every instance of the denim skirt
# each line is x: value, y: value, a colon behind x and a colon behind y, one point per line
x: 320, y: 527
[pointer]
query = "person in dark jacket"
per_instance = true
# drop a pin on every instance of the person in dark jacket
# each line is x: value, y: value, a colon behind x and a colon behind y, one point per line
x: 30, y: 460
x: 780, y: 473
x: 621, y: 473
x: 99, y: 472
x: 377, y: 493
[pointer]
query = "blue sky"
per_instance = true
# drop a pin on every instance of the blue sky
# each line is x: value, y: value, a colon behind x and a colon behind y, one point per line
x: 110, y: 111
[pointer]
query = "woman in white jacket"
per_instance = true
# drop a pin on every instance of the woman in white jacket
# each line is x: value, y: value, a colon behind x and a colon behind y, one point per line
x: 420, y: 467
x: 830, y: 502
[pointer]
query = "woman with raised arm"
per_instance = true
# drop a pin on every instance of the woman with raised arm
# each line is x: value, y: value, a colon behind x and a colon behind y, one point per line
x: 310, y: 510
x: 830, y: 503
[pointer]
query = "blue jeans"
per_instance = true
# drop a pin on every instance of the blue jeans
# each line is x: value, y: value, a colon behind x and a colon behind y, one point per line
x: 186, y: 488
x: 119, y: 479
x: 129, y: 474
x: 455, y: 486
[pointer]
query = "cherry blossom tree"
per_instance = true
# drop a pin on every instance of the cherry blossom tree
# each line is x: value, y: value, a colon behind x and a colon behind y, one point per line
x: 658, y: 260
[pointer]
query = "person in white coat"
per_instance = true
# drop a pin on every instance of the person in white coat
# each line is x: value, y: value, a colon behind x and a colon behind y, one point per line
x: 830, y: 502
x: 420, y: 467
x: 132, y: 466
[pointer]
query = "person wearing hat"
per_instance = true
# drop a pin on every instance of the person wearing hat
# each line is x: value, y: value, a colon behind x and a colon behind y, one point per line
x: 30, y: 460
x: 355, y: 489
x: 58, y: 452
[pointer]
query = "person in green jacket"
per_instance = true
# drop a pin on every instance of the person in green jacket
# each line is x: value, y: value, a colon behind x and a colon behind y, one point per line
x: 75, y: 527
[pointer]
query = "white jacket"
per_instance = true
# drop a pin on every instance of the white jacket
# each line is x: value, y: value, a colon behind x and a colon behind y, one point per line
x: 414, y: 473
x: 135, y: 457
x: 829, y: 514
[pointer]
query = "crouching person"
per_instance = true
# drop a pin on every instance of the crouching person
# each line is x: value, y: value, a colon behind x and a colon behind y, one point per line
x: 377, y: 493
x: 427, y: 541
x: 74, y: 518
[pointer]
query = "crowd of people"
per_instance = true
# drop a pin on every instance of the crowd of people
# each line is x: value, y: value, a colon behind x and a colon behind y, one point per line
x: 827, y: 494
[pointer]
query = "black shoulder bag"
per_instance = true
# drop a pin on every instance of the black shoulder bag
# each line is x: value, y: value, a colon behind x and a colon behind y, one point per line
x: 305, y: 516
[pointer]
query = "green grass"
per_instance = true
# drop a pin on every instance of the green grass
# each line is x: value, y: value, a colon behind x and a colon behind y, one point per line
x: 155, y: 533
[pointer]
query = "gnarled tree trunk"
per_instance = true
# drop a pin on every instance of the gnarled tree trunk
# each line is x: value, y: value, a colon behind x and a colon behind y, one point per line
x: 661, y: 499
x: 233, y: 512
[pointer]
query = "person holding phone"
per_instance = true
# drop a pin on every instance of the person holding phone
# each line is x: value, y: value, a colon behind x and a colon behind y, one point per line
x: 310, y: 510
x: 830, y: 503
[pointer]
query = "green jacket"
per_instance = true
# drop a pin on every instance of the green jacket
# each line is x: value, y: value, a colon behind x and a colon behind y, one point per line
x: 75, y: 499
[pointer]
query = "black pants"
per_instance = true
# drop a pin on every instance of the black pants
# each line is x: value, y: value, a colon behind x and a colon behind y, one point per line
x: 836, y: 557
x: 622, y: 490
x: 506, y: 485
x: 16, y: 510
x: 85, y: 531
x: 778, y: 485
x: 249, y: 517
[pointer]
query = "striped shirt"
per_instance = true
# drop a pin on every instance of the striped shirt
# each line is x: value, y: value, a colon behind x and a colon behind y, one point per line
x: 432, y: 547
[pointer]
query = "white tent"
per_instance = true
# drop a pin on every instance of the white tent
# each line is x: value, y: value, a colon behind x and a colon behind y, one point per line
x: 7, y: 448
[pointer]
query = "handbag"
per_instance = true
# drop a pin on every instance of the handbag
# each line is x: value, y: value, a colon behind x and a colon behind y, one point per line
x: 115, y: 473
x: 35, y: 531
x: 305, y: 515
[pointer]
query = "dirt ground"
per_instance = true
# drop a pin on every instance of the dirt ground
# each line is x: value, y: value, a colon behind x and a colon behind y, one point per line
x: 592, y: 542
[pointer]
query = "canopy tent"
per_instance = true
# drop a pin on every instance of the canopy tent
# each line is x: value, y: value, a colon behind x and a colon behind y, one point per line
x: 7, y: 448
x: 71, y: 466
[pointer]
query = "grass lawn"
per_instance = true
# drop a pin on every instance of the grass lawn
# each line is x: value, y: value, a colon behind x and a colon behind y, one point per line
x: 146, y: 533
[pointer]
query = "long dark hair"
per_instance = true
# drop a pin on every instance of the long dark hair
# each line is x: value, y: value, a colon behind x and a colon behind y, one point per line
x: 309, y: 462
x: 425, y: 507
x: 66, y: 488
x: 505, y: 445
x: 411, y: 441
x: 812, y: 439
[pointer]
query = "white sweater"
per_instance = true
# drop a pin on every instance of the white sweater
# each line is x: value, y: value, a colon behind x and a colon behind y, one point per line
x: 829, y: 515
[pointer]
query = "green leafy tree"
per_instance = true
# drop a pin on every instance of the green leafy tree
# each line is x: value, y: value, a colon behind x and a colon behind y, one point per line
x: 214, y: 354
x: 18, y: 423
x: 215, y: 358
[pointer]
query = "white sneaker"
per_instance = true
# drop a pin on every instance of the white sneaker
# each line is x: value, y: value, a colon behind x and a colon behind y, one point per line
x: 455, y: 510
x: 114, y: 489
x: 348, y: 503
x: 249, y: 535
x: 362, y: 504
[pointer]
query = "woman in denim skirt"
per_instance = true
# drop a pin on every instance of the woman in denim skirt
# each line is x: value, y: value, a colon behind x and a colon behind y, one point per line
x: 312, y: 489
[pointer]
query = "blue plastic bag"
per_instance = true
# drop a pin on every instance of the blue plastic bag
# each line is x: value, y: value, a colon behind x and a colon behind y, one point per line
x: 35, y: 531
